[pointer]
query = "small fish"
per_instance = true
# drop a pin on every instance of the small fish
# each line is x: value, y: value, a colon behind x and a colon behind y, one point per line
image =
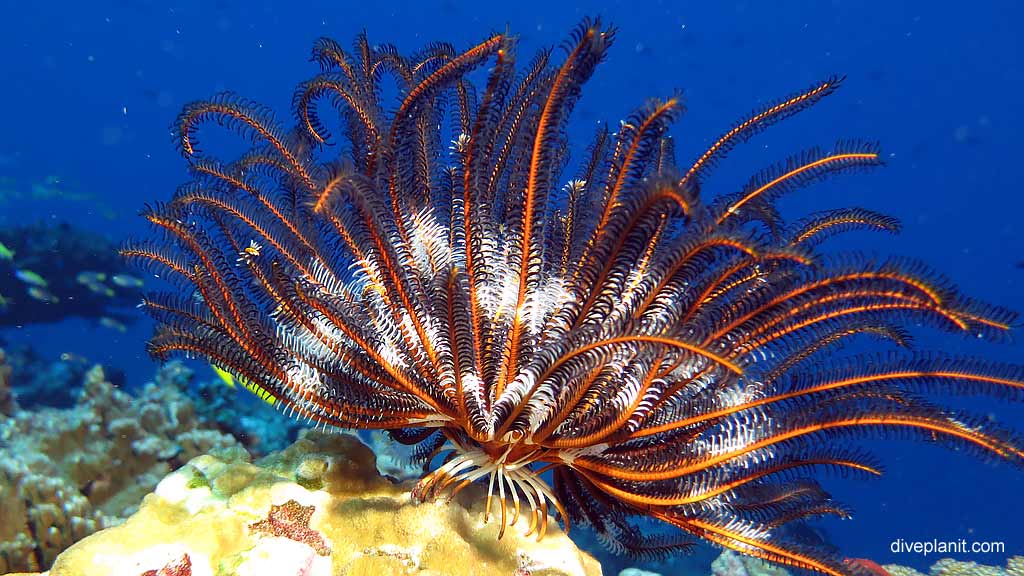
x: 224, y: 375
x: 229, y: 379
x: 89, y: 277
x: 101, y: 289
x: 126, y: 281
x: 108, y: 322
x: 5, y: 252
x: 43, y: 295
x: 4, y: 302
x: 30, y: 277
x: 72, y: 358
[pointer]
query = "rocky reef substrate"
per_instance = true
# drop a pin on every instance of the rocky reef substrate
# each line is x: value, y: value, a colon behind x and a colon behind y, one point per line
x: 66, y: 473
x: 317, y: 508
x: 72, y: 479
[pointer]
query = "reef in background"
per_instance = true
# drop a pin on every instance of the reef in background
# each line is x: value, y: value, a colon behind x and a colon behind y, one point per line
x: 66, y: 473
x: 39, y: 382
x: 262, y: 430
x: 236, y: 411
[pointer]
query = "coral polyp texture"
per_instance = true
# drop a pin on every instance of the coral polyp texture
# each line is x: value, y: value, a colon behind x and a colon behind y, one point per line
x: 221, y: 514
x: 602, y: 346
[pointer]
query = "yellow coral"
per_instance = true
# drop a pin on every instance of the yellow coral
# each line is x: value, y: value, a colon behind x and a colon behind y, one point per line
x: 207, y: 510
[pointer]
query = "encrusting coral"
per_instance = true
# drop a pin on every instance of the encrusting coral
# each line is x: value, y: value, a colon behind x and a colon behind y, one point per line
x: 319, y: 507
x: 66, y: 473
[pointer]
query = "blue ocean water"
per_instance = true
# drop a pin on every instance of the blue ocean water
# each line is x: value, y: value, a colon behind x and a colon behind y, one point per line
x: 89, y: 90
